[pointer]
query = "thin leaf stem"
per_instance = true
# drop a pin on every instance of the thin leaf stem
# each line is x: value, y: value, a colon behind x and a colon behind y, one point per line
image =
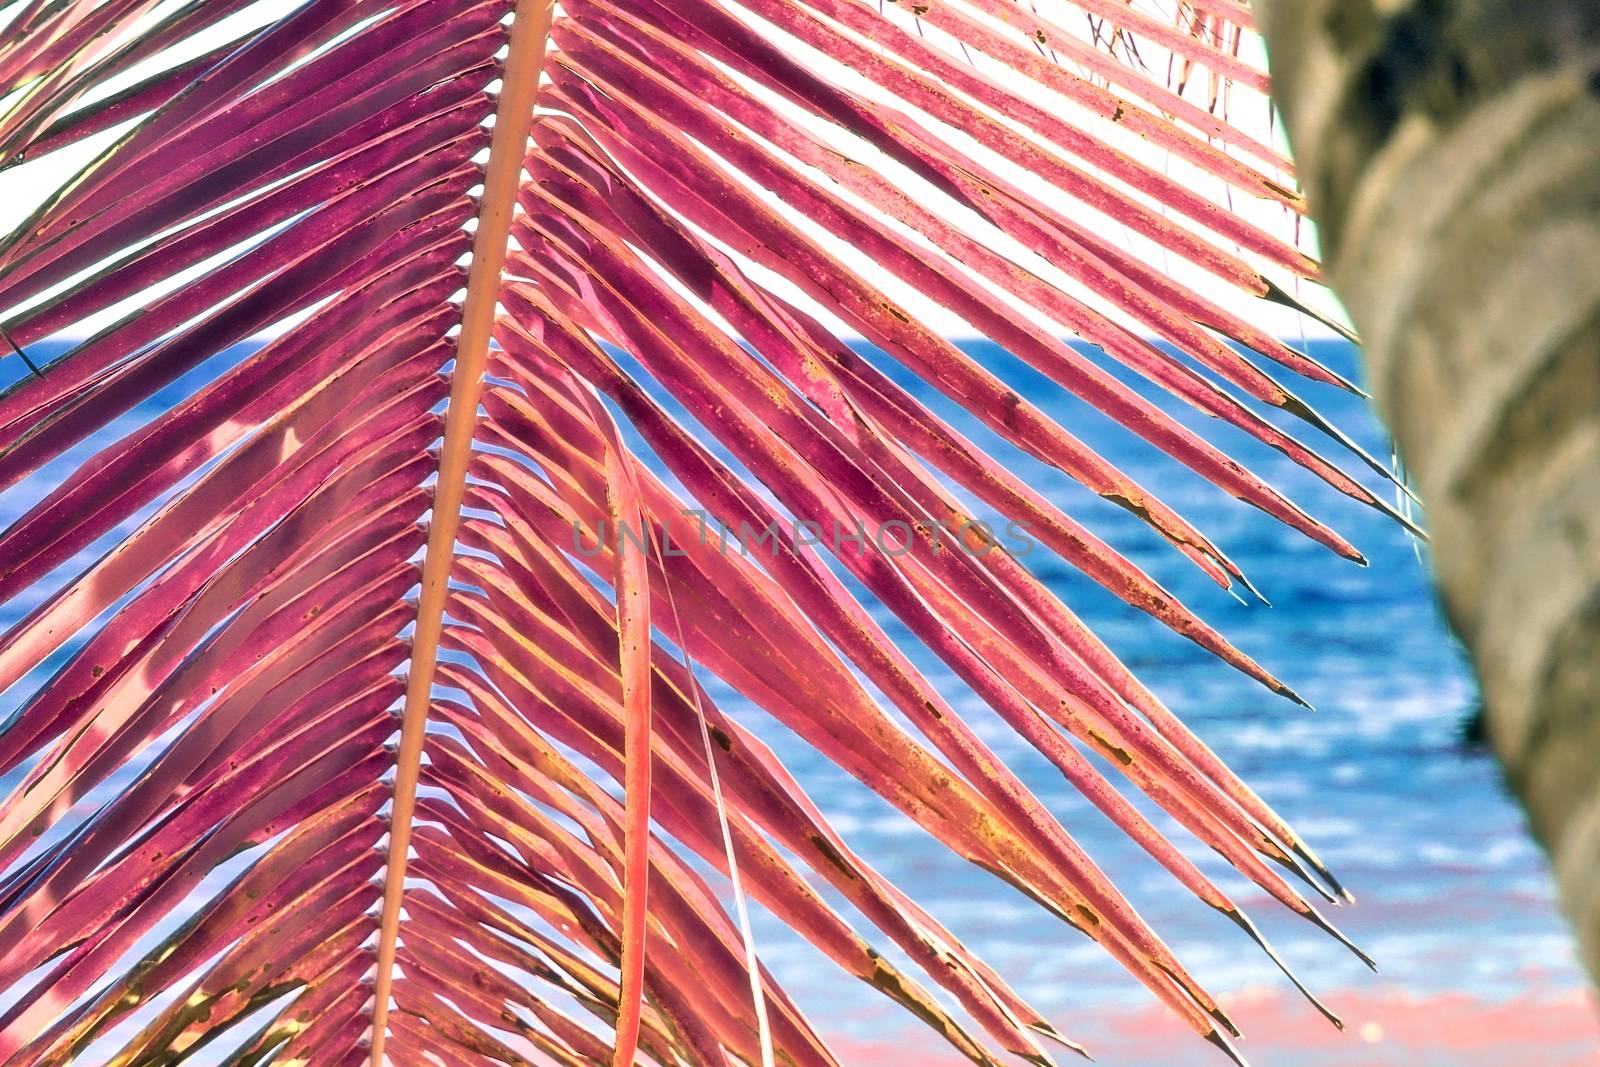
x: 513, y: 114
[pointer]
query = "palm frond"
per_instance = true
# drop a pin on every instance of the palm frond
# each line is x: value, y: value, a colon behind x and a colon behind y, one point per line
x: 461, y: 496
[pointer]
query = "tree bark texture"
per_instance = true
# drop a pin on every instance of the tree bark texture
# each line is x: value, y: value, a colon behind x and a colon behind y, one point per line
x: 1450, y: 150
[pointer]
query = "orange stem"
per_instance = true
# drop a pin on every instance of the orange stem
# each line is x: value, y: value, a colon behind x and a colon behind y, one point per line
x: 519, y: 90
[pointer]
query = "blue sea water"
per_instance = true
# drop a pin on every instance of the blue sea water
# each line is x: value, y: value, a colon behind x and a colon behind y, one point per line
x: 1454, y: 900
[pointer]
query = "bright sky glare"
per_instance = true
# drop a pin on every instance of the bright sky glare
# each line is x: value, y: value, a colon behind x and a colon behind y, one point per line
x: 24, y: 187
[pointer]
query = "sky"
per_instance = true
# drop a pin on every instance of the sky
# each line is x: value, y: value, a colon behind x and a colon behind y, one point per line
x: 22, y: 188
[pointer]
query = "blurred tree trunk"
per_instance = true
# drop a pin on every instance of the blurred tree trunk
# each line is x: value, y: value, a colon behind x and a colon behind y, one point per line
x: 1451, y: 153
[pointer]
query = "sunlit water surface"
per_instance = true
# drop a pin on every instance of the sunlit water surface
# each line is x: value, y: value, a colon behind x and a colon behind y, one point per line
x: 1454, y: 901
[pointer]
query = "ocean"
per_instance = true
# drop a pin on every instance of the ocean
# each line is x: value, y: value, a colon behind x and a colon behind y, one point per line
x: 1384, y: 779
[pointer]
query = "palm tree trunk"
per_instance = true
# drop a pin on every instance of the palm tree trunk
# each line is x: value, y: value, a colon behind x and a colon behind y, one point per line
x: 1451, y: 153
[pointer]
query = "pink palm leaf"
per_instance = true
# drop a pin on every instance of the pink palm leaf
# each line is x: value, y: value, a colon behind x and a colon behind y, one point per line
x: 515, y: 372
